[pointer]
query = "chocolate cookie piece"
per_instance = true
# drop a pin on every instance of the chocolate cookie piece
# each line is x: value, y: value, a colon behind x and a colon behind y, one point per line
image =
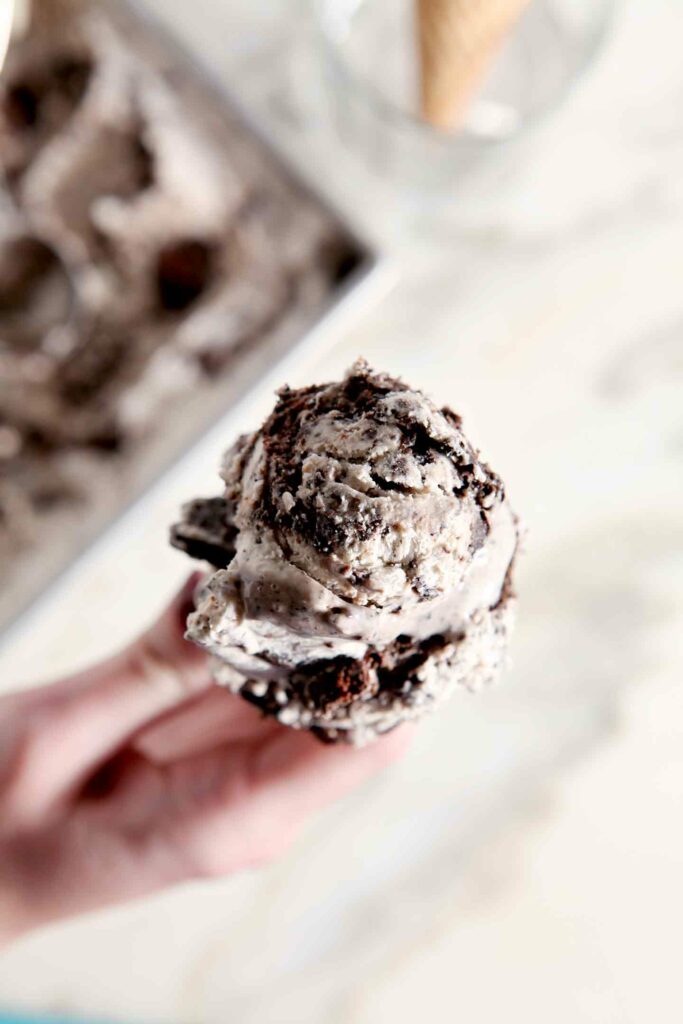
x: 207, y: 531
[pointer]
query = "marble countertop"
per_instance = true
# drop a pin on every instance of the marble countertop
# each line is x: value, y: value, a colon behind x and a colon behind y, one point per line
x: 524, y: 859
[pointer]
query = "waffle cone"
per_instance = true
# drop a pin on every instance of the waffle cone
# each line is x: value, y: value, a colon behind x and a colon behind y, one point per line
x: 457, y: 41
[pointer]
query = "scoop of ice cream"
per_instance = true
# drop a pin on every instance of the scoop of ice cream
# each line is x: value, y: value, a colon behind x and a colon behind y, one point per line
x: 369, y: 548
x: 370, y: 490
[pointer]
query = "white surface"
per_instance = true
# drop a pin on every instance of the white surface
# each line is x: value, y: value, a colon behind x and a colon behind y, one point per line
x: 523, y: 862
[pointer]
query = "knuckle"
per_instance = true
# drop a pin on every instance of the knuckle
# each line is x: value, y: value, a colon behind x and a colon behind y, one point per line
x: 21, y: 765
x: 212, y: 860
x: 208, y: 861
x: 145, y: 661
x: 212, y: 865
x: 195, y: 855
x: 149, y: 661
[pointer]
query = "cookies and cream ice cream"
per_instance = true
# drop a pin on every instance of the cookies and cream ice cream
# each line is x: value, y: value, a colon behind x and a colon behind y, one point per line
x: 363, y: 555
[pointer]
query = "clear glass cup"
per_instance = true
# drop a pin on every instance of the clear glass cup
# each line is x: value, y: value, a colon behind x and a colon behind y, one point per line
x: 369, y: 60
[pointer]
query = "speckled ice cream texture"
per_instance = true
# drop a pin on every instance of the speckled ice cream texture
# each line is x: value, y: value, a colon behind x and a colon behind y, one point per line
x: 365, y: 555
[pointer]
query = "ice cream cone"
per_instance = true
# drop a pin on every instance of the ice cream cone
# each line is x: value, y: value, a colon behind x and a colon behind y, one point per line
x: 457, y: 41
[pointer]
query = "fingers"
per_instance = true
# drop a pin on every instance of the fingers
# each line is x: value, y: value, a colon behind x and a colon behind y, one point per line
x: 212, y: 719
x: 293, y: 776
x: 141, y: 827
x: 79, y: 723
x: 242, y: 804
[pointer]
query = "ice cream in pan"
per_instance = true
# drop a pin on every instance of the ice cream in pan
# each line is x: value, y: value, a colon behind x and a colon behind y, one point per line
x: 362, y: 554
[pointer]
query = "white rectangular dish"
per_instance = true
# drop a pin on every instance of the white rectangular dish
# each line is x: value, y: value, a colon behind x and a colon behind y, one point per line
x: 320, y: 303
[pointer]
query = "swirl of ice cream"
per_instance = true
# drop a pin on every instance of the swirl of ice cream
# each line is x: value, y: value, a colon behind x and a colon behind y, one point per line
x: 364, y: 565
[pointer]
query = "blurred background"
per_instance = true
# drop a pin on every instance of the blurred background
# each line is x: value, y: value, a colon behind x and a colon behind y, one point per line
x: 506, y: 236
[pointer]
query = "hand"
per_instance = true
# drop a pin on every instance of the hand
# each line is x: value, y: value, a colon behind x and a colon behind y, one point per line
x: 140, y: 773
